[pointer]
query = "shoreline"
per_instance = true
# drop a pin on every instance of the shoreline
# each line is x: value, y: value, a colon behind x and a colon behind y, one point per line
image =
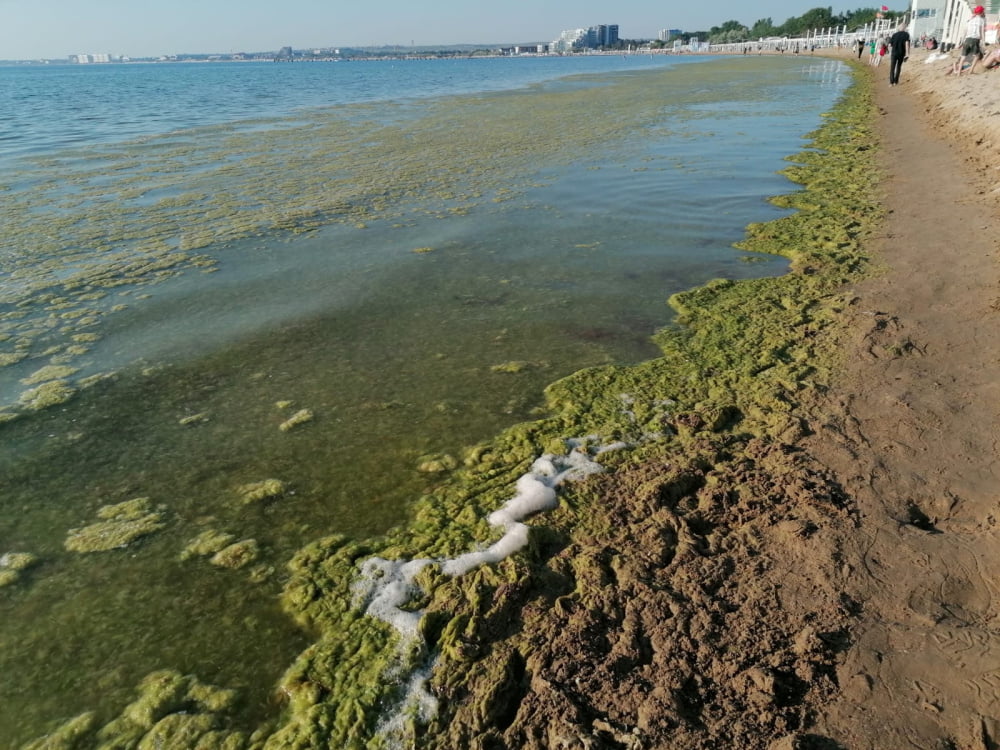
x: 805, y: 556
x: 496, y: 466
x: 573, y: 642
x: 721, y: 388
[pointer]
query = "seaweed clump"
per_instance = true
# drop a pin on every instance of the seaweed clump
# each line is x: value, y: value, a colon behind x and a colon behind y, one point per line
x: 171, y: 711
x: 268, y: 489
x: 120, y: 525
x: 12, y: 564
x: 48, y: 394
x: 300, y: 417
x: 237, y: 555
x: 207, y: 543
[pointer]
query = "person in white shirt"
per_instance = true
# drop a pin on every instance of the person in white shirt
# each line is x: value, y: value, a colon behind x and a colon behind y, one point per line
x: 971, y: 48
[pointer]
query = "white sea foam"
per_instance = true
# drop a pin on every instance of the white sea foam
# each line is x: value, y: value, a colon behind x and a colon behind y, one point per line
x: 385, y: 588
x: 417, y: 704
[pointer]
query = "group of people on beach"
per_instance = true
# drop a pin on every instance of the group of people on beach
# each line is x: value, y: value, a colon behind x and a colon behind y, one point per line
x: 897, y: 47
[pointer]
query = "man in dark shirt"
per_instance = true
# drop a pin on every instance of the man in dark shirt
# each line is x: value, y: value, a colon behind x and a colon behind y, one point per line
x: 899, y: 50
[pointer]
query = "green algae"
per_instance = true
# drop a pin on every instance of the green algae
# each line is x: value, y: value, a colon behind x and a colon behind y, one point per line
x: 136, y: 214
x: 48, y: 394
x: 207, y: 543
x: 237, y: 555
x: 121, y: 524
x: 743, y: 357
x: 298, y: 418
x: 268, y: 489
x: 12, y: 564
x: 339, y: 686
x: 512, y: 368
x: 172, y: 712
x: 75, y: 734
x: 49, y: 372
x: 436, y: 463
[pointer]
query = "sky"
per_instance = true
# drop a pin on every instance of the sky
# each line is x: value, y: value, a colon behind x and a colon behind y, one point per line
x: 31, y: 29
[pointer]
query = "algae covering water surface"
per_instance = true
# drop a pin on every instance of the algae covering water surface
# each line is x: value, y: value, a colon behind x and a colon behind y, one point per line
x: 231, y: 356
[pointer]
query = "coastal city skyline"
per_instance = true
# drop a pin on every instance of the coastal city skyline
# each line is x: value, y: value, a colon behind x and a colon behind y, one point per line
x: 58, y: 29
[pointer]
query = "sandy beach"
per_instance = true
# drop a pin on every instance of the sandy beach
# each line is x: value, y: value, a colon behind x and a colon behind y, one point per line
x: 910, y: 431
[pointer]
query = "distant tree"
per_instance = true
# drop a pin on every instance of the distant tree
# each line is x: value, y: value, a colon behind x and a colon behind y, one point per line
x: 855, y: 19
x: 817, y: 18
x: 730, y: 31
x: 764, y: 27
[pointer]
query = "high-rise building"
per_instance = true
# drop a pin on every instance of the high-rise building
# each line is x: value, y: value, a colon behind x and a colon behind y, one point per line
x: 592, y: 38
x: 607, y: 35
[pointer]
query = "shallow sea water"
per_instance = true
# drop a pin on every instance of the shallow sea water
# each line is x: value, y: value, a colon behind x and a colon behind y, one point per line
x: 414, y: 273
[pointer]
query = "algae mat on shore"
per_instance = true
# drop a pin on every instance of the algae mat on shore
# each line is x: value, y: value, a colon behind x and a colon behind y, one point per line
x: 148, y: 517
x: 590, y: 636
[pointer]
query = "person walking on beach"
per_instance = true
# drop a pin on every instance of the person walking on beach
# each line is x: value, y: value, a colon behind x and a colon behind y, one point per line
x: 899, y: 50
x: 861, y: 48
x: 971, y: 49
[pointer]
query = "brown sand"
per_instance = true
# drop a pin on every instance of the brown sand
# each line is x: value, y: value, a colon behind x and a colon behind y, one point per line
x: 911, y: 431
x: 835, y: 590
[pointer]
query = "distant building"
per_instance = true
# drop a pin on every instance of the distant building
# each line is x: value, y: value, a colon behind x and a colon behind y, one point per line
x: 665, y: 35
x: 928, y: 18
x: 570, y: 40
x: 100, y: 57
x: 604, y: 35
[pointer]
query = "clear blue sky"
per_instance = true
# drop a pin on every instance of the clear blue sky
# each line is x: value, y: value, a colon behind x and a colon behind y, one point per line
x: 57, y: 28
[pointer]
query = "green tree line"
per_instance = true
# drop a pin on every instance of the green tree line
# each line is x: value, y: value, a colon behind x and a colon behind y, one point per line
x: 817, y: 18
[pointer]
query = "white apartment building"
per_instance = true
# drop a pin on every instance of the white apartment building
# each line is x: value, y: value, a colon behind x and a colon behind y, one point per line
x: 569, y: 40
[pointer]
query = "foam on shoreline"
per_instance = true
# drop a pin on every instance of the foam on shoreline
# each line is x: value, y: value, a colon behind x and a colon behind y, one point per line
x: 385, y: 588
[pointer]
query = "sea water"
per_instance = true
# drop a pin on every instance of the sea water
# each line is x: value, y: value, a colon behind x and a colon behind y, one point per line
x: 405, y: 251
